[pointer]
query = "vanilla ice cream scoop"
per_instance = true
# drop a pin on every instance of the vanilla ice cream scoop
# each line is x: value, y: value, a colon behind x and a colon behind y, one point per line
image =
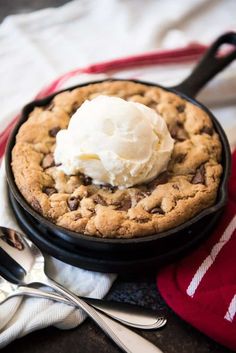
x: 114, y: 141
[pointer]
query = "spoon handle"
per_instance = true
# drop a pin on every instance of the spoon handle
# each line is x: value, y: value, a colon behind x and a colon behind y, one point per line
x: 126, y: 339
x: 128, y: 314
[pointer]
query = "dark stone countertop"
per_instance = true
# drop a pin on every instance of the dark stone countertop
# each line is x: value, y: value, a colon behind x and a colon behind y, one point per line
x: 176, y: 337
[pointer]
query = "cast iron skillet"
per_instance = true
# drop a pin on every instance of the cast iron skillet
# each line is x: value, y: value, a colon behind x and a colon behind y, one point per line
x: 207, y: 68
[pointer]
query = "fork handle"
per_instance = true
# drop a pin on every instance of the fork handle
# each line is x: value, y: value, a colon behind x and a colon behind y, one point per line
x: 126, y: 339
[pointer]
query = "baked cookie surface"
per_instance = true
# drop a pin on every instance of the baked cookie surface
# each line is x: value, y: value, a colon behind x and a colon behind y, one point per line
x: 188, y: 186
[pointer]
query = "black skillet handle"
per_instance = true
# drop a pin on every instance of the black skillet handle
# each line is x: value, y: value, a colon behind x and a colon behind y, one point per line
x: 209, y: 66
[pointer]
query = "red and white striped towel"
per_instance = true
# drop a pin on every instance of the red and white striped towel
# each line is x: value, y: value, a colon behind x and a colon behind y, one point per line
x: 201, y: 288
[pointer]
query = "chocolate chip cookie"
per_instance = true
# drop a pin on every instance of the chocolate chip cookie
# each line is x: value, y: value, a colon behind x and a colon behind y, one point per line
x: 188, y: 186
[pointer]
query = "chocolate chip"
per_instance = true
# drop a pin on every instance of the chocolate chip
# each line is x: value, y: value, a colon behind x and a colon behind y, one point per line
x: 158, y: 210
x: 161, y: 179
x: 141, y: 194
x: 199, y: 177
x: 182, y: 135
x: 207, y: 130
x: 53, y: 132
x: 98, y: 199
x: 36, y: 205
x: 77, y: 217
x: 178, y: 132
x: 179, y: 158
x: 175, y: 186
x: 48, y: 161
x: 73, y: 203
x: 86, y: 180
x: 173, y: 130
x: 180, y: 108
x: 123, y: 205
x: 49, y: 190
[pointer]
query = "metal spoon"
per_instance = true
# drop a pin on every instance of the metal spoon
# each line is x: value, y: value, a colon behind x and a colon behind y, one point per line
x: 127, y: 314
x: 27, y: 259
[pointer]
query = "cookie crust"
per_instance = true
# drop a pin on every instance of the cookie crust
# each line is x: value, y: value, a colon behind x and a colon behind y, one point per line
x: 188, y: 186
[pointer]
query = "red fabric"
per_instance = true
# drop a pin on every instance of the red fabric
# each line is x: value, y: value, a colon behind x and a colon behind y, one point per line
x: 179, y: 55
x: 201, y: 288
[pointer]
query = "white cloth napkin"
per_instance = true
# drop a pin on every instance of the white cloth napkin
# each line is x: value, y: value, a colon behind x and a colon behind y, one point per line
x: 35, y: 48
